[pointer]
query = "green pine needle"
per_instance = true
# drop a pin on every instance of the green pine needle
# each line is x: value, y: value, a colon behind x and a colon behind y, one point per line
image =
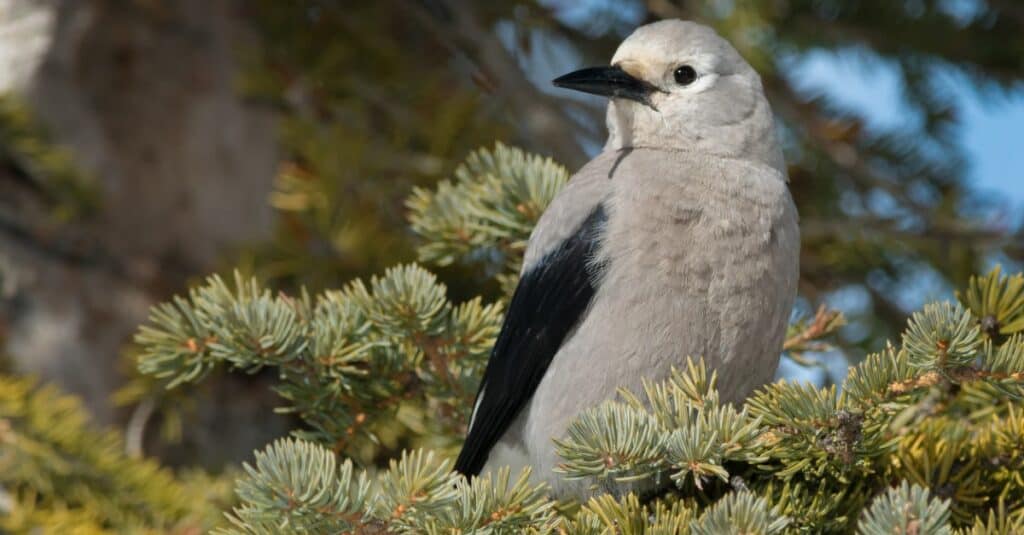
x: 487, y: 213
x: 740, y: 512
x: 614, y: 441
x: 907, y: 509
x: 997, y: 301
x: 876, y: 378
x: 606, y: 515
x: 298, y: 487
x: 489, y: 505
x: 941, y: 337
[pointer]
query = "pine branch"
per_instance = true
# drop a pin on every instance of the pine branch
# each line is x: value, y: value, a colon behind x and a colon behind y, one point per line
x: 997, y: 301
x: 740, y: 513
x: 605, y: 515
x: 906, y: 509
x: 938, y: 412
x: 485, y: 215
x: 941, y: 337
x: 299, y: 487
x: 347, y: 359
x: 806, y: 336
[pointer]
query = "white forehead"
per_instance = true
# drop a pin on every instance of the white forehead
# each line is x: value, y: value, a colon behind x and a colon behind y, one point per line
x: 668, y: 41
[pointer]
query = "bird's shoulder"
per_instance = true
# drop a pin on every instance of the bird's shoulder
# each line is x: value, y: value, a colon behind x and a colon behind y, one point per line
x: 586, y: 189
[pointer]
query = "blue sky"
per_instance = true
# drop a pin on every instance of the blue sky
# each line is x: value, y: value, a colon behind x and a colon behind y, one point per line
x: 992, y: 125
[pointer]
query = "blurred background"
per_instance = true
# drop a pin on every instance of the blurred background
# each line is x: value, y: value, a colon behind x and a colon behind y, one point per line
x: 147, y: 143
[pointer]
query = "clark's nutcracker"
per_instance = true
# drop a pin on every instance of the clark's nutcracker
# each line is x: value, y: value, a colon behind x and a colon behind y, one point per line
x: 679, y: 239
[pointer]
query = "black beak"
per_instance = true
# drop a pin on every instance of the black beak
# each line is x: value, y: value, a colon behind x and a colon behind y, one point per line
x: 610, y: 82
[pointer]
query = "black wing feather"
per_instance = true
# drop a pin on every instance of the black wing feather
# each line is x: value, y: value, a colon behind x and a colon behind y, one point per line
x: 548, y: 302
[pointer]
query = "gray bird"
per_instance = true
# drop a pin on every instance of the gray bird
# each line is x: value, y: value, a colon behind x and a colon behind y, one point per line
x: 679, y: 239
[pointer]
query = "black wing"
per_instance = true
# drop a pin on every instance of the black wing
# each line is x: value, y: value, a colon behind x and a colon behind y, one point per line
x: 548, y: 302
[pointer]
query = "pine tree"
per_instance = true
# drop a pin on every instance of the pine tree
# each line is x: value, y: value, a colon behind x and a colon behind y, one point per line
x: 922, y: 437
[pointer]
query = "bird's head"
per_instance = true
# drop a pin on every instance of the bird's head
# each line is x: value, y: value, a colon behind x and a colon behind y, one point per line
x: 678, y: 85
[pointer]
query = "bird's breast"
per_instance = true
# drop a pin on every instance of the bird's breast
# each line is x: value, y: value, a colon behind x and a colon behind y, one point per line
x: 700, y: 260
x: 693, y: 268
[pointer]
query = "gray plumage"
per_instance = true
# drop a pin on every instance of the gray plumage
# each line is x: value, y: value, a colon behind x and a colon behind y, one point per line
x: 696, y: 254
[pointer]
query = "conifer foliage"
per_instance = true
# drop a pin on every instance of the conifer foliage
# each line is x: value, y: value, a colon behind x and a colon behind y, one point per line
x: 923, y: 437
x: 58, y: 475
x: 347, y: 359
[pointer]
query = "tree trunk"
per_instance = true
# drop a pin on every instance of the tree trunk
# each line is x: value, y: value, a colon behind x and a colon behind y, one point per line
x: 144, y: 95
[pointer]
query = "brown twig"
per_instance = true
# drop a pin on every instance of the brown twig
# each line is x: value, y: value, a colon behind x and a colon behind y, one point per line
x: 824, y: 323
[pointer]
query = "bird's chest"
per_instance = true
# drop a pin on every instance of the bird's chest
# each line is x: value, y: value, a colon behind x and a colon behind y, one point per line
x: 680, y: 237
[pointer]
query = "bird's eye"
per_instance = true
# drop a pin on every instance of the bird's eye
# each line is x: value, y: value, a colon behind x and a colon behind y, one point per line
x: 685, y: 75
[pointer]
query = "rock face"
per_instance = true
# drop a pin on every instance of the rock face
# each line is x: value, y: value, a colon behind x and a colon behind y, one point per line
x: 144, y: 95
